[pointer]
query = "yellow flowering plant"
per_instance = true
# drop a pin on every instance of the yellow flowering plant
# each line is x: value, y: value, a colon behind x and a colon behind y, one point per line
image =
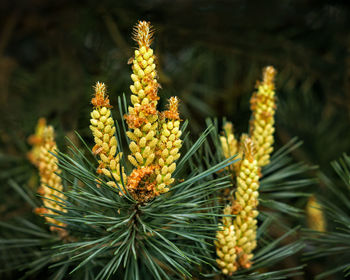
x: 148, y: 210
x: 145, y: 202
x: 254, y: 150
x: 263, y: 106
x: 257, y: 179
x: 133, y: 204
x: 103, y: 129
x: 154, y: 136
x: 51, y: 188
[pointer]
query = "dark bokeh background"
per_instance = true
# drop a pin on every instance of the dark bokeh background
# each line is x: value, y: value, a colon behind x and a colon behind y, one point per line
x: 210, y: 54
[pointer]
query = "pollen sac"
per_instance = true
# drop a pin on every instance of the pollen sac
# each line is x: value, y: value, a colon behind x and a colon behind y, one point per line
x: 226, y: 244
x: 50, y: 182
x: 246, y: 201
x: 229, y: 144
x: 263, y: 106
x: 142, y: 118
x: 103, y: 129
x: 168, y: 146
x: 315, y: 216
x: 155, y: 136
x: 36, y: 141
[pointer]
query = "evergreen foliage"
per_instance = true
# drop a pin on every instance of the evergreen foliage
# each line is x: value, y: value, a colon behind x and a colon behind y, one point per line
x: 109, y: 231
x: 333, y: 244
x: 52, y: 54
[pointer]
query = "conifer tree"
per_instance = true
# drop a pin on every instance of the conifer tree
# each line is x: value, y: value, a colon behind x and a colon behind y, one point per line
x: 256, y: 179
x: 164, y: 207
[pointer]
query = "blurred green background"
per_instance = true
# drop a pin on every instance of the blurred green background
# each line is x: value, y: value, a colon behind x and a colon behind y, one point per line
x: 210, y: 54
